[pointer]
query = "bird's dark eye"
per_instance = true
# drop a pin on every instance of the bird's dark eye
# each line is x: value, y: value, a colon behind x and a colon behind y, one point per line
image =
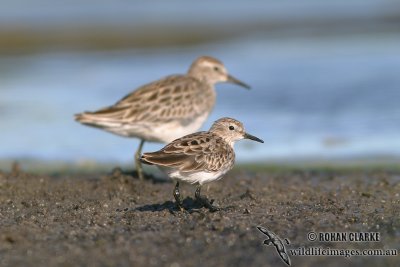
x: 216, y: 68
x: 231, y: 128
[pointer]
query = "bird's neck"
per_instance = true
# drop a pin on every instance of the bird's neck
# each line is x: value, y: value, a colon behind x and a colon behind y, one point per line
x: 201, y: 77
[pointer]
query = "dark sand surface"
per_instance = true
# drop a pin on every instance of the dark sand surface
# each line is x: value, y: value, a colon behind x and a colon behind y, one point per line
x: 100, y: 219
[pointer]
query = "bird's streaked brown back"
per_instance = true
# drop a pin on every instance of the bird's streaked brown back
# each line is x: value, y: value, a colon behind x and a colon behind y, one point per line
x: 174, y: 97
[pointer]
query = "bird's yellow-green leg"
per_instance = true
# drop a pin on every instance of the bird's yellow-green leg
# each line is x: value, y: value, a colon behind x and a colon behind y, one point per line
x: 177, y: 196
x: 137, y: 160
x: 204, y: 200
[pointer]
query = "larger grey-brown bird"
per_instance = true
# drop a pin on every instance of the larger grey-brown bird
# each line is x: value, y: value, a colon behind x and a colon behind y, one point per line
x: 166, y: 109
x: 201, y: 157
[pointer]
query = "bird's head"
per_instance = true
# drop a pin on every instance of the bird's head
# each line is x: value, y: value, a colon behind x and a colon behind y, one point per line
x: 232, y: 130
x: 213, y: 71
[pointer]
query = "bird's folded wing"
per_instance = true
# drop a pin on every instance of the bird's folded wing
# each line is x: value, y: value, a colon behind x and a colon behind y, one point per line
x: 194, y: 152
x: 175, y: 97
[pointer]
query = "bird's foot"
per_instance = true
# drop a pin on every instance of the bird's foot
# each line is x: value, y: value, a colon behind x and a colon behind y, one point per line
x: 180, y: 206
x: 179, y: 210
x: 208, y: 204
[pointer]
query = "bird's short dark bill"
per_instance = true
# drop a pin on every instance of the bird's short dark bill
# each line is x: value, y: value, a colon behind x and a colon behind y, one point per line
x: 252, y: 137
x: 238, y: 82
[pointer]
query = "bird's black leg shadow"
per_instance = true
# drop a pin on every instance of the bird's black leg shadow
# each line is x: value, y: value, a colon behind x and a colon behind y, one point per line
x: 204, y: 200
x: 177, y: 196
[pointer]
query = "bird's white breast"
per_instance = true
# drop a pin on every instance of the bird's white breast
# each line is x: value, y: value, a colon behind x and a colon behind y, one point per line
x: 200, y: 177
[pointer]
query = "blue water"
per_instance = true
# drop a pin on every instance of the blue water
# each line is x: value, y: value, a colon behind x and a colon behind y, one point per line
x: 319, y: 90
x: 137, y: 12
x: 310, y: 97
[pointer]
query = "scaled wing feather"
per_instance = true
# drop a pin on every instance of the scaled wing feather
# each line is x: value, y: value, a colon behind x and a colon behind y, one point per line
x: 199, y: 151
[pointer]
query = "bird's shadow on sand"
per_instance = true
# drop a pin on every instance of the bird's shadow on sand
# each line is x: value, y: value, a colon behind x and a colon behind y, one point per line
x: 189, y: 203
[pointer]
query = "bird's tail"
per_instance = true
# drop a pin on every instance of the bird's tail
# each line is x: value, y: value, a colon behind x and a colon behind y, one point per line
x: 102, y: 117
x: 146, y: 159
x: 87, y: 118
x: 163, y: 159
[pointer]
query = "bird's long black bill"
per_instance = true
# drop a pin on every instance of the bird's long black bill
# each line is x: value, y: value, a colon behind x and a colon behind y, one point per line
x: 238, y: 82
x: 252, y: 137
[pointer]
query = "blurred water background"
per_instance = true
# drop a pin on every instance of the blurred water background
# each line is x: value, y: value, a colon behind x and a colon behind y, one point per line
x: 325, y: 76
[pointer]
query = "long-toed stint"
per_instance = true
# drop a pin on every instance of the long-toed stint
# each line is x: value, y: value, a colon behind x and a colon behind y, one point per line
x: 201, y: 157
x: 166, y: 109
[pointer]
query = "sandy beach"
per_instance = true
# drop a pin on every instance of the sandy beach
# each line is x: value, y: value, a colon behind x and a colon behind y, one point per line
x: 114, y: 219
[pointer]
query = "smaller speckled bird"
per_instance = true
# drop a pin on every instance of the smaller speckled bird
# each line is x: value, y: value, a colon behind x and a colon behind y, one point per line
x: 201, y: 157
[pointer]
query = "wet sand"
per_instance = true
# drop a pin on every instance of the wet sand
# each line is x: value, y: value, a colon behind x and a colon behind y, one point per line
x: 113, y: 219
